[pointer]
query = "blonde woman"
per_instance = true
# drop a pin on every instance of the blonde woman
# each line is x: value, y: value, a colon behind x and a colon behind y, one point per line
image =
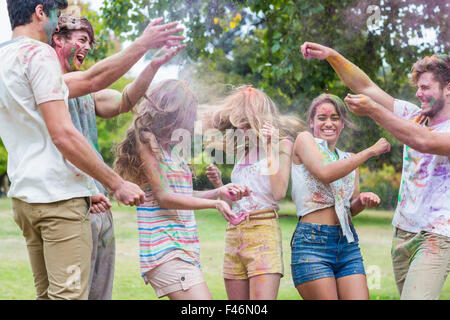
x: 253, y: 261
x: 168, y: 238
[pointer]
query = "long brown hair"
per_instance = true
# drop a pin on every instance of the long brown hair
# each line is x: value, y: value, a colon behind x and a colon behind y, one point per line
x: 167, y: 107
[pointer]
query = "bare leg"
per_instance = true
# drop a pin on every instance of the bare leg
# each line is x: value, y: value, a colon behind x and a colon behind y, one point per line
x: 197, y: 292
x: 237, y: 289
x: 320, y: 289
x: 265, y: 286
x: 353, y: 287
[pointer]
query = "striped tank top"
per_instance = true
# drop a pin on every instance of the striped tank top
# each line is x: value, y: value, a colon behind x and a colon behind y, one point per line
x: 167, y: 234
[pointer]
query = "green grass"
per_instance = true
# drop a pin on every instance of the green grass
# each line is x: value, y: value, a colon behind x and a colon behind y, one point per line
x: 374, y: 229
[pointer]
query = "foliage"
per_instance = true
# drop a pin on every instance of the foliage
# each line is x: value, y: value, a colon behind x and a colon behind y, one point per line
x: 258, y: 42
x: 200, y: 181
x: 384, y: 182
x: 3, y: 159
x: 112, y: 131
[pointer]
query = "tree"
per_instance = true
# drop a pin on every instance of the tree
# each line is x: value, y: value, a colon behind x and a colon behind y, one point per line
x: 258, y: 42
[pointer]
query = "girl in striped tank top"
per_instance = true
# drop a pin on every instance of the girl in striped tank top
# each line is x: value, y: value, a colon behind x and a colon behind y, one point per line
x: 168, y: 238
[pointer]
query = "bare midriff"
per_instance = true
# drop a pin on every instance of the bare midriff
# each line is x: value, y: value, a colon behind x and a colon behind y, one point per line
x: 322, y: 216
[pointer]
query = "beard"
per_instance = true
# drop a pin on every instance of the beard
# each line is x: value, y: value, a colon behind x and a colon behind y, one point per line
x: 435, y: 107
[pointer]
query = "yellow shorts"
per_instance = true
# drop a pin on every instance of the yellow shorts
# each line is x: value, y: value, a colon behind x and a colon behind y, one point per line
x: 253, y: 248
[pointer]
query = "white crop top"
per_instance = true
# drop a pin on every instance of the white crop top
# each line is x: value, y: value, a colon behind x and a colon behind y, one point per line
x: 310, y: 194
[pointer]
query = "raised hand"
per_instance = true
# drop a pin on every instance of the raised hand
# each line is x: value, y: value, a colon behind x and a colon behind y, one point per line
x: 165, y: 54
x: 156, y: 36
x: 269, y: 132
x: 381, y: 146
x: 214, y: 175
x: 359, y: 104
x: 315, y: 50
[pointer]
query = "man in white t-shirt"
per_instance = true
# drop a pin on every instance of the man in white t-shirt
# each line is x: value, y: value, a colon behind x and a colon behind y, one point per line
x: 421, y: 244
x: 50, y: 163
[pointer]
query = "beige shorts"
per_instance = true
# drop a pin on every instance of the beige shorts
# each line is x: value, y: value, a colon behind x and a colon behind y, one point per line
x: 174, y: 275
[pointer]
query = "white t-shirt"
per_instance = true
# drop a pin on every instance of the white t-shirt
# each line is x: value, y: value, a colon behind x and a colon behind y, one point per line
x: 424, y: 196
x: 30, y: 74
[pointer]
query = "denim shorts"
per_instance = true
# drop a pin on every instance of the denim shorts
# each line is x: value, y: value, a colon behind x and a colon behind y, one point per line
x: 322, y: 251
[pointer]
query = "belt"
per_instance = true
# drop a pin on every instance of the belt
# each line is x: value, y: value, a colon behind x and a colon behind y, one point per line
x: 254, y: 214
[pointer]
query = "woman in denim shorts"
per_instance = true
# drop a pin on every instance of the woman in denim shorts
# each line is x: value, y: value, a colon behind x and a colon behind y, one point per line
x: 326, y: 259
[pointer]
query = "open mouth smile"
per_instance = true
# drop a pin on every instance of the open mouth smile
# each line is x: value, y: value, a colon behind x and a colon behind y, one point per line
x: 328, y: 131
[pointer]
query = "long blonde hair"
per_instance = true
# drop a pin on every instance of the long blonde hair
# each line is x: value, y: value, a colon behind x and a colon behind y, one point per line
x: 169, y: 106
x: 251, y: 108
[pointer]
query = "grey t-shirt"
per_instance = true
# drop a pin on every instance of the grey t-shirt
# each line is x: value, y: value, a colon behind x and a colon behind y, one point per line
x: 82, y: 112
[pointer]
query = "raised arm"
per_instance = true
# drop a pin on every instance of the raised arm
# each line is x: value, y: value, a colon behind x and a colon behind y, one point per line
x: 309, y: 154
x: 110, y: 103
x: 107, y: 71
x: 408, y: 132
x: 279, y: 163
x: 349, y: 73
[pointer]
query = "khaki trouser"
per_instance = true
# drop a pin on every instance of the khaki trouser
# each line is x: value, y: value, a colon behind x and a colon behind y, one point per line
x: 103, y: 256
x: 59, y: 242
x: 421, y: 263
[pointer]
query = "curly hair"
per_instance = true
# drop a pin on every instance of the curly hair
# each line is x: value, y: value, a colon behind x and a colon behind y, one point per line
x: 69, y: 23
x: 438, y: 65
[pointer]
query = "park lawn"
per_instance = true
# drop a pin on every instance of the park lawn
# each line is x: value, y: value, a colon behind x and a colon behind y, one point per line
x: 374, y: 229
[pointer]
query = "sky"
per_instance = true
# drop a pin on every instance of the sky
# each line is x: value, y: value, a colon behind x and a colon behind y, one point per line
x: 170, y: 72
